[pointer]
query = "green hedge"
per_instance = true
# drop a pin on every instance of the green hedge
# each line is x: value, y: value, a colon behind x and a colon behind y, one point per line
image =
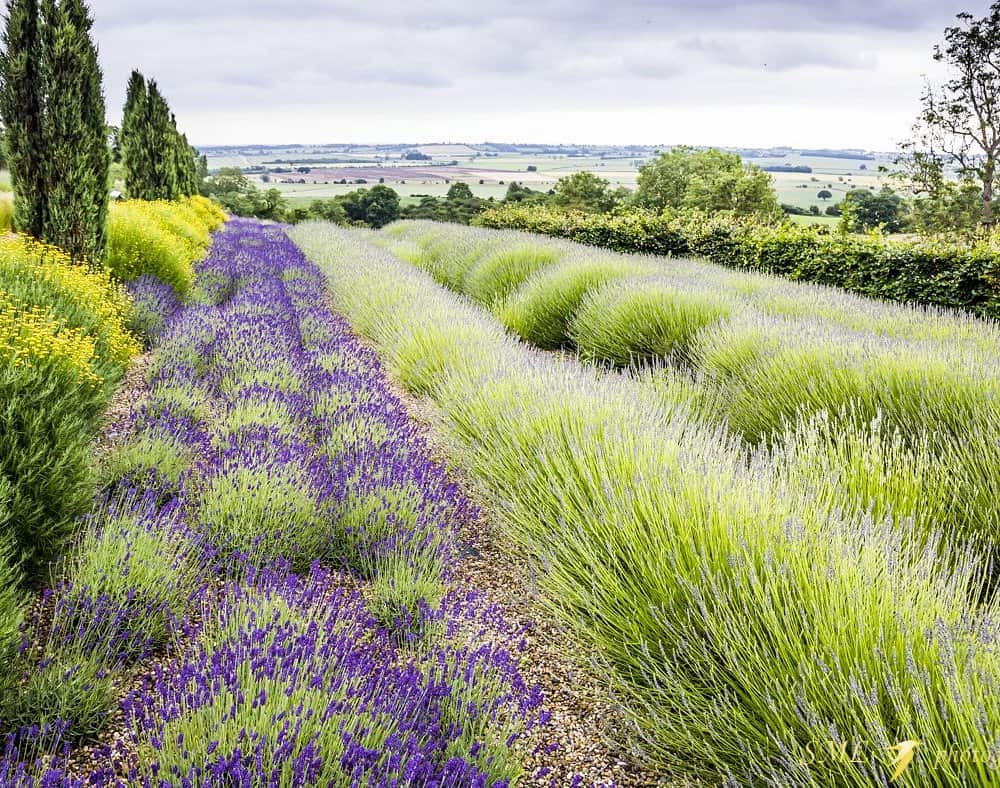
x: 933, y: 272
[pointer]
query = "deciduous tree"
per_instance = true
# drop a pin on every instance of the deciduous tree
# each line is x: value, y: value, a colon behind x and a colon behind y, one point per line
x: 710, y: 181
x: 959, y: 122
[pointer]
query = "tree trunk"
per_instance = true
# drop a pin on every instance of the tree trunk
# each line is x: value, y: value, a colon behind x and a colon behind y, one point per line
x: 988, y: 220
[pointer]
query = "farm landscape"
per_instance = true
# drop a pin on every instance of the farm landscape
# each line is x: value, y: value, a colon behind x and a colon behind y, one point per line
x: 493, y: 464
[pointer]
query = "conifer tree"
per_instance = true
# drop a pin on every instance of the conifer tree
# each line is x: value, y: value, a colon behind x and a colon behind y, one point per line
x: 160, y: 164
x: 135, y: 156
x: 74, y: 132
x: 21, y: 107
x: 158, y: 137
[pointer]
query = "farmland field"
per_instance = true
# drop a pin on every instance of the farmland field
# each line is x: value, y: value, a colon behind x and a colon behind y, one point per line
x: 278, y: 582
x: 469, y: 165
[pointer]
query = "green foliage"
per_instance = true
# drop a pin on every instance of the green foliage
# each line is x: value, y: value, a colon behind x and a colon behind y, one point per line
x: 12, y: 598
x: 159, y: 162
x: 544, y: 306
x: 149, y: 459
x: 74, y: 130
x: 498, y: 274
x: 22, y: 110
x: 6, y: 213
x: 583, y: 191
x: 265, y: 514
x: 239, y: 196
x: 159, y: 238
x: 950, y: 208
x: 375, y: 207
x: 632, y: 321
x: 67, y: 686
x: 934, y: 272
x: 519, y: 193
x: 47, y: 418
x: 53, y: 112
x: 863, y: 210
x: 715, y: 588
x: 958, y: 125
x: 146, y: 572
x: 396, y: 593
x: 709, y: 181
x: 136, y: 153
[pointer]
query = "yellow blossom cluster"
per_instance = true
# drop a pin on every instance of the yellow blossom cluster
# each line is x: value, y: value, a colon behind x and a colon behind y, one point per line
x: 161, y: 238
x: 57, y: 314
x: 33, y: 337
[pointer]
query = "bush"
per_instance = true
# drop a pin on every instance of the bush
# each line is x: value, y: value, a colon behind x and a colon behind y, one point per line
x: 163, y: 239
x: 541, y: 310
x: 64, y: 344
x: 741, y: 619
x: 65, y: 686
x: 49, y: 401
x: 631, y: 321
x: 131, y: 577
x: 85, y: 301
x: 499, y: 273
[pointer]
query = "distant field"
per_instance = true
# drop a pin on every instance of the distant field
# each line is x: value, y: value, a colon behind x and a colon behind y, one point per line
x: 831, y: 221
x: 414, y: 178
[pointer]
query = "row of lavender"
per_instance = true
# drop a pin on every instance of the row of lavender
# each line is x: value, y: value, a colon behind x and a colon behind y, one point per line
x: 262, y: 596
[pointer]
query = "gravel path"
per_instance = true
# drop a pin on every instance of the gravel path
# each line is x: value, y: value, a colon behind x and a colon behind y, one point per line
x: 580, y: 745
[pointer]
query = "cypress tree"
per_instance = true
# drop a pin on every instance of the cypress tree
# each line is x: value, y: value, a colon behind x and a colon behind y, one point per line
x: 135, y: 156
x: 189, y: 167
x: 157, y: 135
x: 75, y: 132
x: 22, y: 97
x: 160, y: 164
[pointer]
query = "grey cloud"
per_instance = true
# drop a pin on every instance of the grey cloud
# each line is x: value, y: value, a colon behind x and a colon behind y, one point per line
x: 560, y: 15
x: 454, y: 57
x: 778, y: 55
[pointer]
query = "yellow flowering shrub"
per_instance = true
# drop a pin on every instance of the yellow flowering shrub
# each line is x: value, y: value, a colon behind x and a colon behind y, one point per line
x: 163, y: 239
x: 34, y: 338
x: 36, y: 276
x: 6, y: 212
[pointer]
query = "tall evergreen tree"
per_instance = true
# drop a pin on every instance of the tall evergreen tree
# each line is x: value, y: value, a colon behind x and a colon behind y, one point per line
x: 135, y: 154
x: 157, y: 135
x: 189, y: 167
x: 160, y: 164
x: 74, y: 132
x: 22, y: 97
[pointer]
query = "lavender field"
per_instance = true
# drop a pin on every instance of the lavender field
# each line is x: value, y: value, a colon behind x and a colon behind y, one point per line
x: 264, y: 592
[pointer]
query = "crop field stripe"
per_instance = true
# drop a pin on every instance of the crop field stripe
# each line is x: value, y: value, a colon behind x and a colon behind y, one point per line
x: 835, y: 383
x: 742, y: 619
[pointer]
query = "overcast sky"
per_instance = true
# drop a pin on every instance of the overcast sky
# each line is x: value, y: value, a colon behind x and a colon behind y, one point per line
x: 832, y: 73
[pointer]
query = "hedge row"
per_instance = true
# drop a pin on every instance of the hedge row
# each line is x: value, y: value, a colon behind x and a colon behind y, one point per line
x: 932, y: 272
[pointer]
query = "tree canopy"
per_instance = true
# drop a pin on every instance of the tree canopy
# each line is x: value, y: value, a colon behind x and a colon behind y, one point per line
x: 959, y: 122
x: 583, y: 191
x: 864, y: 210
x: 711, y: 180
